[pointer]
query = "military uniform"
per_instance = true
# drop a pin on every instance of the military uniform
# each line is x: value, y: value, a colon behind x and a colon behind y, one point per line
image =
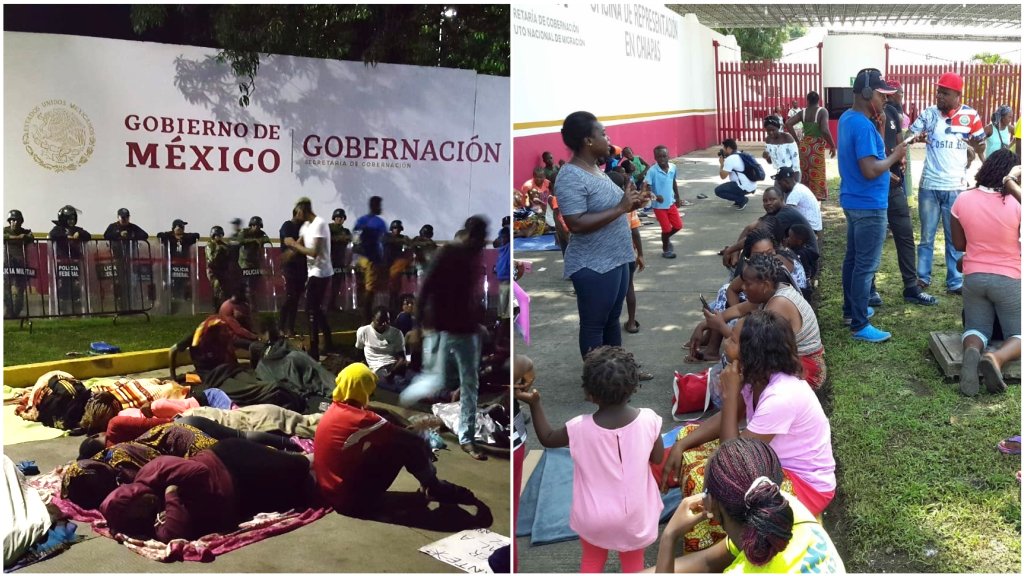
x: 16, y: 241
x: 218, y: 270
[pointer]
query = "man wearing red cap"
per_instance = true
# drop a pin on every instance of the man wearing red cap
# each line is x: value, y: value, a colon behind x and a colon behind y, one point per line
x: 950, y: 127
x: 864, y: 197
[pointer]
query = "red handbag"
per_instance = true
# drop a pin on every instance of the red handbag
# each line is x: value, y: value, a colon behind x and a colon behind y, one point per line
x: 690, y: 393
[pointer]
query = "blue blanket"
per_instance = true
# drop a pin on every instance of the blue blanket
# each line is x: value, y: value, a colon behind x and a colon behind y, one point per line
x: 542, y: 243
x: 544, y: 505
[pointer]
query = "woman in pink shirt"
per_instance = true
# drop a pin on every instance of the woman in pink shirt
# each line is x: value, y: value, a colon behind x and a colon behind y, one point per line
x: 615, y: 500
x: 762, y: 384
x: 986, y: 226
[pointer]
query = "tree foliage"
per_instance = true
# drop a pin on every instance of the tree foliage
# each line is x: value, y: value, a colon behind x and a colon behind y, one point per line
x: 452, y: 36
x: 989, y: 58
x: 763, y: 43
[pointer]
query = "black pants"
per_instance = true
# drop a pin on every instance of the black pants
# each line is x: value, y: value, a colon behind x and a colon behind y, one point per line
x: 294, y: 282
x: 903, y: 236
x: 381, y: 463
x: 266, y: 480
x: 221, y: 432
x: 316, y: 288
x: 336, y: 282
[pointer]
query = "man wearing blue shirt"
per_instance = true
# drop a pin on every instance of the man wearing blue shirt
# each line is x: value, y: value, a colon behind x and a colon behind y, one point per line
x: 864, y: 197
x: 372, y: 229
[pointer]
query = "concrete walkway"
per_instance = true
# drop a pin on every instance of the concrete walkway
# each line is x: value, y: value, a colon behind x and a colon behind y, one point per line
x: 334, y: 543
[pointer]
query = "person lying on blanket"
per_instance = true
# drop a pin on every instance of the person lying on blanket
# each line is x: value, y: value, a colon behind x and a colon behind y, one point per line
x: 213, y: 491
x: 763, y: 385
x: 86, y: 483
x: 109, y: 398
x: 358, y: 453
x: 256, y: 418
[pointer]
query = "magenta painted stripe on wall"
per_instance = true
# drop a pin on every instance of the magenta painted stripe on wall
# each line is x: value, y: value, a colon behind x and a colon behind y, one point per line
x: 682, y: 135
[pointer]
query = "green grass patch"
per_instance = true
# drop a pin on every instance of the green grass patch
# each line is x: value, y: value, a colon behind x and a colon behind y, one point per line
x: 51, y: 339
x: 922, y: 487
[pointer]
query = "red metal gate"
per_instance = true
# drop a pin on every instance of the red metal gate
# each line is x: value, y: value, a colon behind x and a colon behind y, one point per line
x: 747, y: 92
x: 986, y: 86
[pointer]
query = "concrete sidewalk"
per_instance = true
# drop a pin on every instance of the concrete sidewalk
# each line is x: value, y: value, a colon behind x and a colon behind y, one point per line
x: 334, y: 543
x: 668, y: 308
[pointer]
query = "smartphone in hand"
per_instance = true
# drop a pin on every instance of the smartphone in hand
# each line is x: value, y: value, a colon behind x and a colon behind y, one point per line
x: 704, y: 303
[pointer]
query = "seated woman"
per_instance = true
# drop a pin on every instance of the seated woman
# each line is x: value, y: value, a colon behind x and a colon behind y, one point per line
x: 767, y: 530
x: 760, y: 240
x: 213, y: 491
x: 109, y: 398
x: 761, y: 384
x: 767, y: 285
x: 358, y: 453
x: 986, y: 226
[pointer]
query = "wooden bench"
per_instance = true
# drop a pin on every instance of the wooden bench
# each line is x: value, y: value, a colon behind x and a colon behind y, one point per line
x: 949, y: 353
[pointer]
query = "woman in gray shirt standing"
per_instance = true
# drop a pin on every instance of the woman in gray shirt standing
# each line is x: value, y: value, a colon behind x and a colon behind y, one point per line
x: 600, y: 247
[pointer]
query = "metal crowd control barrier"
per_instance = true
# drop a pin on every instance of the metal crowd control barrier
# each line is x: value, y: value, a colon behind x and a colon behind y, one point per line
x: 180, y: 280
x: 125, y: 277
x: 262, y: 292
x: 25, y: 280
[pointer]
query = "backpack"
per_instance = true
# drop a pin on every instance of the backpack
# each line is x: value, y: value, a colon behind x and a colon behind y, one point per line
x: 751, y: 169
x: 62, y: 407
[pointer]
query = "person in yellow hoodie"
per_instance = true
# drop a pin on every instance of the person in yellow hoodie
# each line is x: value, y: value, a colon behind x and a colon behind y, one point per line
x: 767, y: 530
x: 358, y: 453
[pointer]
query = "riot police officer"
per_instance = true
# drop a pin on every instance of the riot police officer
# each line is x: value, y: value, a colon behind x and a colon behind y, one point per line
x: 16, y: 270
x: 218, y: 266
x: 67, y: 240
x: 340, y: 238
x: 250, y: 258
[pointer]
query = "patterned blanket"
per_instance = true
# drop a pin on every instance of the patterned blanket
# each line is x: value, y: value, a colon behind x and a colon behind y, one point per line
x: 204, y: 549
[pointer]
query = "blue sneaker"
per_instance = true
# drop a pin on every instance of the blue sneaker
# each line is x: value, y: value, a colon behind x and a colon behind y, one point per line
x: 847, y: 321
x: 871, y: 334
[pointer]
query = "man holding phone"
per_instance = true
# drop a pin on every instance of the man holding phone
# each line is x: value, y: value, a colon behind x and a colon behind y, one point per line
x: 899, y: 211
x: 864, y: 197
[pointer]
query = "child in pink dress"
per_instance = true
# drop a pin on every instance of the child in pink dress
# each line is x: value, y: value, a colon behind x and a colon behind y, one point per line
x: 615, y: 499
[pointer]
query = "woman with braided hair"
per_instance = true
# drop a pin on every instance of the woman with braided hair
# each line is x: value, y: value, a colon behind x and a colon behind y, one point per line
x: 768, y: 285
x: 767, y: 530
x: 761, y: 384
x: 780, y: 148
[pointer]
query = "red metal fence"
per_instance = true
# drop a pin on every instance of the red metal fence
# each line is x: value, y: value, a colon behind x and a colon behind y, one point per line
x: 749, y: 91
x: 986, y: 86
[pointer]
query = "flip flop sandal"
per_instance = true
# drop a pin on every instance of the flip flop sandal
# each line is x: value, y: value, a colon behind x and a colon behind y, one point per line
x: 636, y: 327
x: 702, y: 196
x: 992, y: 376
x: 645, y: 376
x: 1005, y: 447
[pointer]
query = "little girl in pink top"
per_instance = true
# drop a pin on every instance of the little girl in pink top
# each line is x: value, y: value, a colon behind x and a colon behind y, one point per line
x: 615, y: 499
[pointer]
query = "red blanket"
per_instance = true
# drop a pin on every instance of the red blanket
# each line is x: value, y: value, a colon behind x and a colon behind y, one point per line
x: 204, y: 549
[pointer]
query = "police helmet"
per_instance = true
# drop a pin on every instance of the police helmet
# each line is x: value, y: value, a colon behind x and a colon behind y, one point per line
x: 427, y: 231
x: 16, y: 216
x: 67, y: 216
x: 339, y: 213
x: 124, y: 213
x: 216, y: 231
x: 256, y: 221
x: 396, y: 224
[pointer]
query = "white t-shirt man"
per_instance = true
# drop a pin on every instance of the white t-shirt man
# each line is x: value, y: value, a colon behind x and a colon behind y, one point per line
x: 734, y: 166
x: 806, y: 204
x: 320, y: 265
x: 380, y: 349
